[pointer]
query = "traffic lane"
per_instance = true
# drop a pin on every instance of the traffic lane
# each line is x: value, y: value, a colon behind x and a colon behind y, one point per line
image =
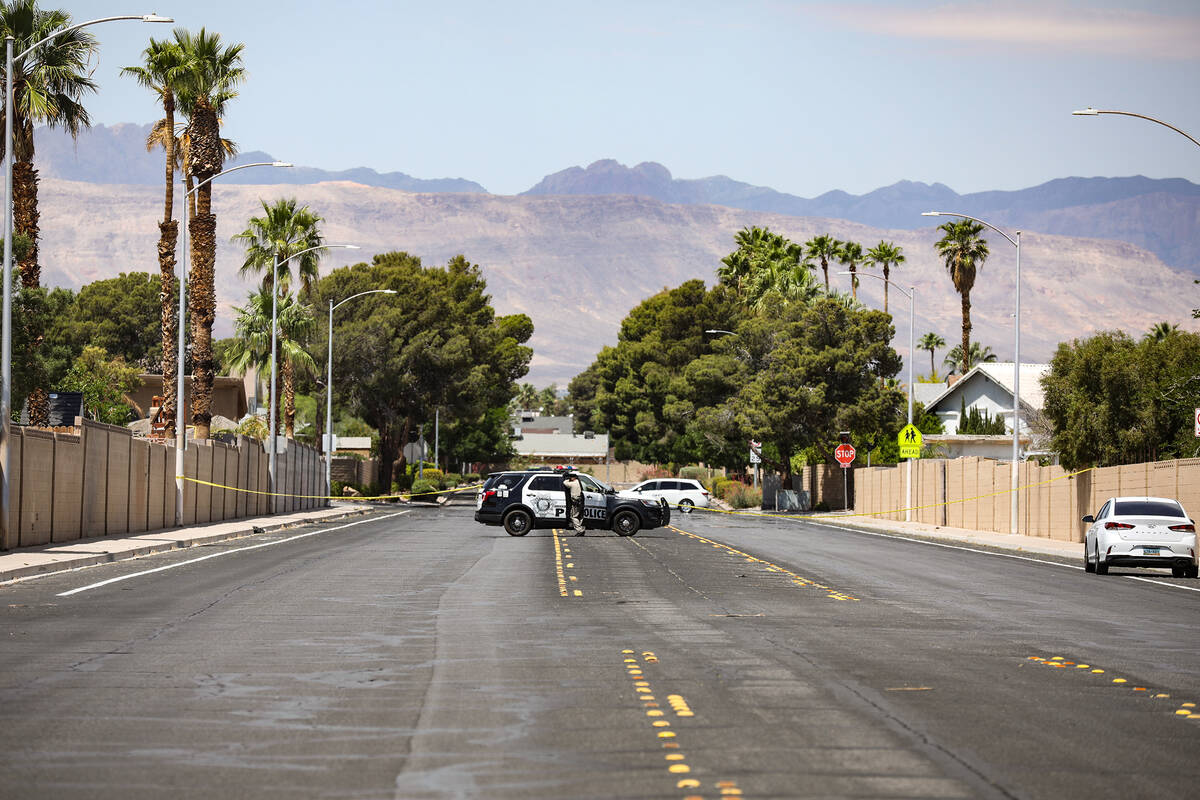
x: 288, y: 670
x: 970, y: 692
x: 1137, y: 626
x: 621, y: 685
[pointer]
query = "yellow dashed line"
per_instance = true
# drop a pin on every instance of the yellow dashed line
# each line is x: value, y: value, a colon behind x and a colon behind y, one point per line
x: 676, y: 761
x: 1186, y: 710
x: 798, y: 580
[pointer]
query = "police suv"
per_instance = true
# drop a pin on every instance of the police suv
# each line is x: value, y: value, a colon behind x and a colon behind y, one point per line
x: 527, y: 499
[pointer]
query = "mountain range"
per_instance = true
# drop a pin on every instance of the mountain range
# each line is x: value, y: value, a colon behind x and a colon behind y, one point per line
x: 578, y: 259
x: 1159, y: 215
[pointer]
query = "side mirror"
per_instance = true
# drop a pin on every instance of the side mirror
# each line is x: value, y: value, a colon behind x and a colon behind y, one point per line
x: 1089, y: 519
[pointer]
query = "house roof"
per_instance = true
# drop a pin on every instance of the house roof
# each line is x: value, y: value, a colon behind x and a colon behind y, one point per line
x: 926, y: 393
x: 546, y: 425
x: 1001, y: 374
x: 562, y: 445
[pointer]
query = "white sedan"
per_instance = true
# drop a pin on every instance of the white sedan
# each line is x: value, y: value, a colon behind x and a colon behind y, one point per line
x: 1140, y: 532
x: 682, y: 493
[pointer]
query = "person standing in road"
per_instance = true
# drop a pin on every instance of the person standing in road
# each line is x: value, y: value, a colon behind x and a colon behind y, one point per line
x: 574, y: 489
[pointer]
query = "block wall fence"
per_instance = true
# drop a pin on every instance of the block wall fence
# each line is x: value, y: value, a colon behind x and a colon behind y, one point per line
x: 98, y: 480
x: 974, y: 493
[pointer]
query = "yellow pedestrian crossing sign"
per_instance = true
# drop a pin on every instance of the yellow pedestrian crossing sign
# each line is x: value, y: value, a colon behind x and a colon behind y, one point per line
x: 909, y: 441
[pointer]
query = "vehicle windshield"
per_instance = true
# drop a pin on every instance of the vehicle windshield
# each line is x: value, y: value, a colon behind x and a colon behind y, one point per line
x: 590, y: 483
x: 1147, y: 508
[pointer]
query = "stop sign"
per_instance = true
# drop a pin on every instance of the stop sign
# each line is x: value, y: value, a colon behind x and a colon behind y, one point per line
x: 844, y: 454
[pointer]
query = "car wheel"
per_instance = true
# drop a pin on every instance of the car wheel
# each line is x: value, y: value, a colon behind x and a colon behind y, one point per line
x: 1192, y: 571
x: 1088, y: 566
x: 686, y: 506
x: 626, y: 523
x: 518, y: 522
x: 1101, y: 567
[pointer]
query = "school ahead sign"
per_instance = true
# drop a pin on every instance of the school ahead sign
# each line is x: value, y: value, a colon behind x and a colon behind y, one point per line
x: 909, y: 441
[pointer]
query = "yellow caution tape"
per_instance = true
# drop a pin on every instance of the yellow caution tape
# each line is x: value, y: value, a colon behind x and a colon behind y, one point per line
x: 399, y: 495
x: 827, y: 515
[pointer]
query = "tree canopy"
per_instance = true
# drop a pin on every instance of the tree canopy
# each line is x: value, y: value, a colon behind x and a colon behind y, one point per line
x: 436, y: 344
x: 1114, y: 400
x: 698, y: 372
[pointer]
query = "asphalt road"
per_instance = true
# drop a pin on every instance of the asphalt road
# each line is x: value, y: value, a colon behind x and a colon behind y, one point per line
x: 420, y: 655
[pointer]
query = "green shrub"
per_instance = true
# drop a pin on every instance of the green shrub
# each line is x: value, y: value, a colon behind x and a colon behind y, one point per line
x: 472, y: 477
x: 720, y: 486
x: 739, y: 495
x: 434, y: 476
x: 694, y: 473
x: 453, y: 479
x: 424, y: 491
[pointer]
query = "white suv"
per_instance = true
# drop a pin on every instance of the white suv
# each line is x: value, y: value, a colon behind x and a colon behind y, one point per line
x: 682, y: 493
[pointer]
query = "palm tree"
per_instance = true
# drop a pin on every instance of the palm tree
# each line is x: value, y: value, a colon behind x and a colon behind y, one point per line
x: 1160, y: 331
x: 162, y: 69
x: 963, y: 250
x: 783, y: 279
x: 849, y: 254
x: 213, y: 72
x: 252, y: 346
x: 48, y: 87
x: 526, y: 397
x: 285, y: 230
x: 823, y: 248
x: 885, y: 255
x: 931, y: 341
x: 976, y: 355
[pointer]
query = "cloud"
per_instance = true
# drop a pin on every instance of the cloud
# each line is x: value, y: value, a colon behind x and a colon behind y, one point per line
x: 1047, y: 26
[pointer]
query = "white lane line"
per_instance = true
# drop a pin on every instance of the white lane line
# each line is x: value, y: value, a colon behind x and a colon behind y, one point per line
x: 225, y: 553
x: 1162, y: 583
x: 1000, y: 555
x: 948, y: 546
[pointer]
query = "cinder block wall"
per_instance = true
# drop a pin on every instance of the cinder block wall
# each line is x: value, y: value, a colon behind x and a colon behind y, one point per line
x: 974, y: 493
x: 101, y: 481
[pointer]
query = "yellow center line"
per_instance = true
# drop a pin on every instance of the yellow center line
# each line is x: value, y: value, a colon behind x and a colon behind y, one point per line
x: 558, y: 566
x: 1186, y: 710
x: 797, y: 580
x: 668, y: 740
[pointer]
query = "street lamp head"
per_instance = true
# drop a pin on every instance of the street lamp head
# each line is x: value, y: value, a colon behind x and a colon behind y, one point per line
x: 931, y: 213
x: 282, y: 164
x: 1085, y: 112
x: 156, y: 18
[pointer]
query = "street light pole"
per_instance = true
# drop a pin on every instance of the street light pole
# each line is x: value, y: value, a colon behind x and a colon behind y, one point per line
x: 271, y: 426
x: 329, y: 387
x: 911, y: 294
x: 6, y: 322
x: 1016, y: 413
x: 1093, y: 112
x: 181, y: 326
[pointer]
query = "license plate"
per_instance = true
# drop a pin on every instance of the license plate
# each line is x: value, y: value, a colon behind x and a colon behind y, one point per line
x: 1150, y: 551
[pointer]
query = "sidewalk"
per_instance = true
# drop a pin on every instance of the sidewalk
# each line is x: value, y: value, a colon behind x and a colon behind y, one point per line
x: 29, y: 561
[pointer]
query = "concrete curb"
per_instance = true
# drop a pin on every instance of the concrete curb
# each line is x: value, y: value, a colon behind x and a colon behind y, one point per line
x: 47, y: 559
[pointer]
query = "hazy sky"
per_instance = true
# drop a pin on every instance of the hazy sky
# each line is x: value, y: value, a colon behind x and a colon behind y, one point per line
x: 804, y: 97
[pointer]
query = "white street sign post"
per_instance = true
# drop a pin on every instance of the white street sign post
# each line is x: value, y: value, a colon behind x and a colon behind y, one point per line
x: 1198, y: 422
x: 755, y: 459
